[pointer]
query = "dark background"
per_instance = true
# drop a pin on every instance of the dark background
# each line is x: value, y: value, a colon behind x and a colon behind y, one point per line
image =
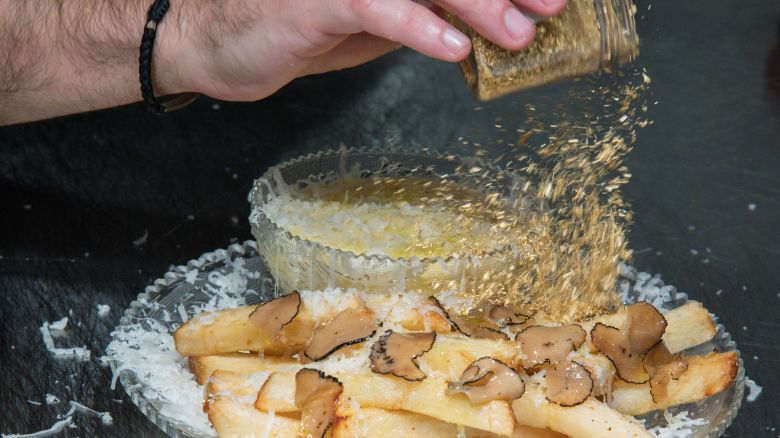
x: 76, y: 192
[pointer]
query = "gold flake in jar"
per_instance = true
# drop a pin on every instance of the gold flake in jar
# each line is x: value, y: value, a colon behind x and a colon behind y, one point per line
x: 587, y: 36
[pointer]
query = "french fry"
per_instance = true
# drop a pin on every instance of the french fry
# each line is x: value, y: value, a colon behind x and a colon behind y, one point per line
x: 451, y: 355
x: 377, y: 405
x: 230, y: 331
x: 413, y: 318
x: 278, y: 393
x: 375, y: 422
x: 240, y: 388
x: 705, y: 376
x: 240, y: 363
x: 687, y: 326
x: 234, y: 420
x: 427, y: 397
x: 591, y: 418
x: 520, y: 432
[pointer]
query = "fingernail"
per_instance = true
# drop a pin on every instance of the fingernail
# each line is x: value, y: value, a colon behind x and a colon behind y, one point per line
x: 454, y: 40
x: 518, y: 26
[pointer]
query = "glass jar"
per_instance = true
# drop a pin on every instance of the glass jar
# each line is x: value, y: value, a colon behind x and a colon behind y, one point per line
x: 587, y: 36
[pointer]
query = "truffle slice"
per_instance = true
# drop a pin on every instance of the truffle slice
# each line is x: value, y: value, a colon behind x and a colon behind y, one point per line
x: 615, y: 344
x: 349, y: 327
x: 488, y: 379
x: 316, y: 395
x: 646, y: 326
x: 663, y: 366
x: 504, y: 316
x: 270, y: 317
x: 568, y: 384
x: 458, y: 324
x: 626, y: 348
x: 542, y: 344
x: 482, y: 332
x: 480, y: 322
x: 396, y: 353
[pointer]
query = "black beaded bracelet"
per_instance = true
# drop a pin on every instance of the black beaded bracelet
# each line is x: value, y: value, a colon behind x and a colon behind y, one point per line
x: 153, y: 19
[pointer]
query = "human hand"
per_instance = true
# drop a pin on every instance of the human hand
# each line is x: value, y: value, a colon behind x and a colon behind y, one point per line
x: 247, y: 49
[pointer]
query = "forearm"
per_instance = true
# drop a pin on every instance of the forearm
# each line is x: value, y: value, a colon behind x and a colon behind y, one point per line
x: 65, y: 56
x: 61, y: 57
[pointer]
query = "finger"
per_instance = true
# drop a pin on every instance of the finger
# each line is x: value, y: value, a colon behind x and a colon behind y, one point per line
x: 497, y: 20
x: 545, y: 8
x: 403, y: 21
x: 355, y: 50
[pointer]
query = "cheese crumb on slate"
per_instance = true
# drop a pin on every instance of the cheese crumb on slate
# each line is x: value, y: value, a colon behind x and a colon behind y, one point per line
x: 59, y: 325
x: 141, y: 240
x: 52, y: 399
x: 80, y: 353
x: 754, y: 389
x: 102, y: 310
x: 66, y: 422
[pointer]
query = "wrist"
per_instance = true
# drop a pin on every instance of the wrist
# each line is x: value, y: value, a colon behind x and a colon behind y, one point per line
x: 171, y: 51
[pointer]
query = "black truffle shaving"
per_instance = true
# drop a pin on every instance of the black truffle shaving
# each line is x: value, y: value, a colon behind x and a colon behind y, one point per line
x: 621, y: 372
x: 452, y: 322
x: 405, y: 367
x: 351, y: 326
x: 262, y: 308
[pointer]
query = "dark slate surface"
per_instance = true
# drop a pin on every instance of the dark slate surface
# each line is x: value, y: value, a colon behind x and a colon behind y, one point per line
x: 76, y: 192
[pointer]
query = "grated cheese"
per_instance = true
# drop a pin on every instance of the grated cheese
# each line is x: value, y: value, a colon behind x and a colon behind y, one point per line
x: 52, y: 399
x: 182, y: 312
x: 677, y: 426
x: 191, y: 276
x: 141, y: 240
x: 102, y: 310
x: 649, y: 288
x: 323, y: 302
x: 80, y: 353
x: 60, y: 325
x: 148, y: 350
x: 754, y: 389
x: 269, y: 424
x: 67, y: 422
x: 358, y: 415
x: 105, y: 417
x: 53, y: 430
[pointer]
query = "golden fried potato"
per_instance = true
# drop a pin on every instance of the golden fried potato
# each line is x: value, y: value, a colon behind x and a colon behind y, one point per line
x: 705, y: 376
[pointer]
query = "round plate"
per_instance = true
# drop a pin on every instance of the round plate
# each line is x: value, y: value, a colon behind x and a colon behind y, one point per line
x: 158, y: 381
